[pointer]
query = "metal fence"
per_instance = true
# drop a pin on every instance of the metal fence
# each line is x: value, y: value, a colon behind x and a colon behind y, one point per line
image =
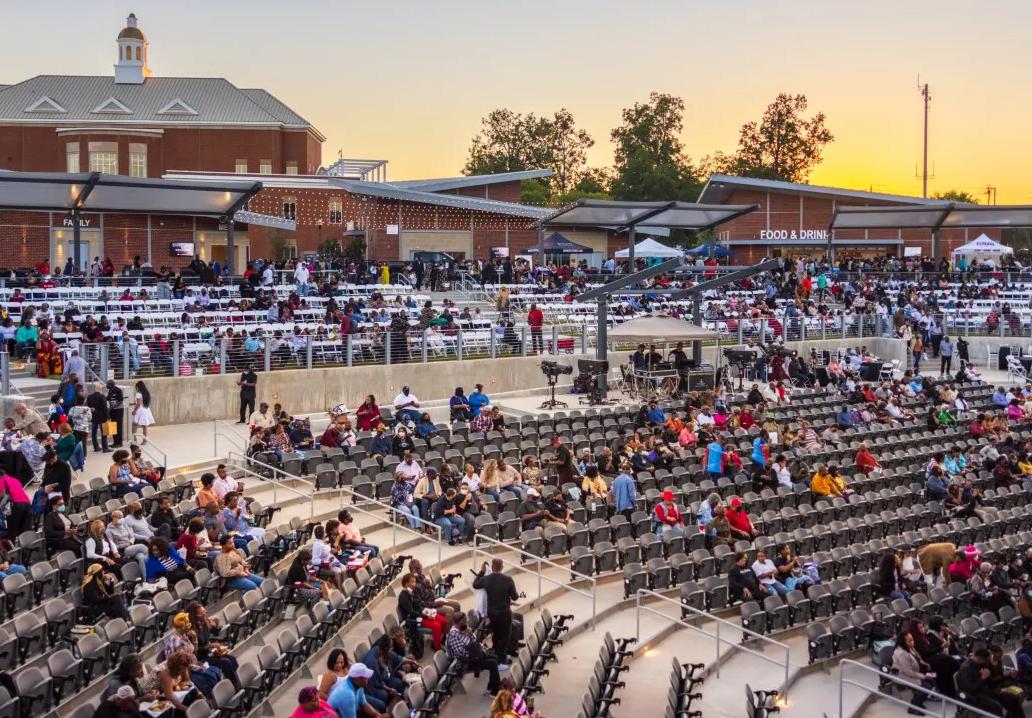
x: 883, y: 681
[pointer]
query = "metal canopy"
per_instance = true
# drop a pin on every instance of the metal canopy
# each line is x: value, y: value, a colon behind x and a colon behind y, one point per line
x: 95, y: 192
x: 890, y: 217
x: 946, y: 214
x: 672, y: 215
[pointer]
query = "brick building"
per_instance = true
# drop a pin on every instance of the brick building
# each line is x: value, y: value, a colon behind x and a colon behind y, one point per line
x: 794, y: 219
x: 133, y: 123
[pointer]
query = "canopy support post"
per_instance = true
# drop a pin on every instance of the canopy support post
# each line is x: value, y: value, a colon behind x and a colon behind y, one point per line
x: 77, y: 239
x: 602, y: 341
x: 541, y: 243
x: 230, y: 242
x: 630, y: 249
x: 697, y: 321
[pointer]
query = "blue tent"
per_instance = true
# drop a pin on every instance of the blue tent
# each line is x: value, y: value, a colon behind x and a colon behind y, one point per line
x: 703, y: 249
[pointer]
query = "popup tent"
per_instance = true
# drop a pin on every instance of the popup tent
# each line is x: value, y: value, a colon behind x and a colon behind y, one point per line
x: 660, y: 329
x: 703, y: 250
x: 649, y: 247
x: 558, y: 244
x: 981, y: 248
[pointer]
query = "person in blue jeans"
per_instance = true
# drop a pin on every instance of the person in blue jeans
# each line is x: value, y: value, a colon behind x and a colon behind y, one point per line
x: 7, y: 568
x: 446, y: 515
x: 401, y: 500
x: 232, y: 567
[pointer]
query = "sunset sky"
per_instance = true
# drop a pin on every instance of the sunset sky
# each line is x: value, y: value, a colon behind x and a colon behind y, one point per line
x: 409, y: 81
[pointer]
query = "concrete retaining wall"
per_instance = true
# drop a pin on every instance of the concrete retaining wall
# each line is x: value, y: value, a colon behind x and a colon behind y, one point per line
x: 206, y: 398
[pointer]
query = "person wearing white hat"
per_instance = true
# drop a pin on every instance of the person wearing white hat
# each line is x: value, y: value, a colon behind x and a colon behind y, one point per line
x: 348, y: 695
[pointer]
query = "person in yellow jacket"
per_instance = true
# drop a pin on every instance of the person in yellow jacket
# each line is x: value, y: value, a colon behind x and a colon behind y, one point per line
x: 824, y: 484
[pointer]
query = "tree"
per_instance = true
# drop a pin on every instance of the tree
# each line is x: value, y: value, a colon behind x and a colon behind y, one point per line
x: 956, y: 195
x: 510, y: 142
x: 565, y: 150
x: 650, y: 163
x: 355, y: 251
x: 783, y: 145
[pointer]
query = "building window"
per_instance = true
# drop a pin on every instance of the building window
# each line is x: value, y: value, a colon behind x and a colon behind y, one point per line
x: 265, y: 167
x: 137, y: 159
x: 72, y: 154
x: 292, y: 168
x: 104, y: 157
x: 336, y: 211
x: 290, y: 208
x: 241, y: 167
x: 137, y: 54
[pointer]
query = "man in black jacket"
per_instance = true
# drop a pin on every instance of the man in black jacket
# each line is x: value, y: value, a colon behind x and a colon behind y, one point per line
x: 501, y: 592
x: 98, y: 404
x: 971, y: 682
x: 116, y: 408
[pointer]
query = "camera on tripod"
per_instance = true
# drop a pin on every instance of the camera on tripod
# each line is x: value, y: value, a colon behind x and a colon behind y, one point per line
x: 553, y: 368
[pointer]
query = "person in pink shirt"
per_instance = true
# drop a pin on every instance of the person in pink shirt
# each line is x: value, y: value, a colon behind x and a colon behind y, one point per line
x: 309, y: 705
x: 21, y: 507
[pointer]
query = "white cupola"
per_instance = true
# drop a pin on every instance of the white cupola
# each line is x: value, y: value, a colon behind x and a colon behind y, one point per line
x: 131, y: 68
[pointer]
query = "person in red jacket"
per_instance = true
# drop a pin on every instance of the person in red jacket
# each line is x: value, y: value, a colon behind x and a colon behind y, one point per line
x: 368, y: 414
x: 536, y: 319
x: 865, y: 460
x: 666, y: 514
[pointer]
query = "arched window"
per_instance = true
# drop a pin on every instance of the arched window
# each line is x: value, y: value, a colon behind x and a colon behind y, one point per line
x: 128, y: 53
x: 137, y: 54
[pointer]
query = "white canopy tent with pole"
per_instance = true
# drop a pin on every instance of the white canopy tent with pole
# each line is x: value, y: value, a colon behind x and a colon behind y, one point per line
x: 649, y: 247
x: 663, y: 330
x: 982, y: 248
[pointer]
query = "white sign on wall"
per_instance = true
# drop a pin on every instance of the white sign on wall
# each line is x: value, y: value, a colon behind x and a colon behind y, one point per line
x: 392, y: 229
x: 820, y: 234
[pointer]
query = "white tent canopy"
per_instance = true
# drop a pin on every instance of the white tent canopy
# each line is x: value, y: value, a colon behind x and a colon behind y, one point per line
x: 649, y: 247
x: 658, y: 329
x: 981, y: 246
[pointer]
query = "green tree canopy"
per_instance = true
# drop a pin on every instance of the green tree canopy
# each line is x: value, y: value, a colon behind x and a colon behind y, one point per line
x: 956, y: 195
x: 511, y: 141
x: 783, y: 145
x: 650, y: 163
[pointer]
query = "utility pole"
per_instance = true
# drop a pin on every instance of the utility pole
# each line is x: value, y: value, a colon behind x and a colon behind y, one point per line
x: 924, y: 170
x: 990, y: 194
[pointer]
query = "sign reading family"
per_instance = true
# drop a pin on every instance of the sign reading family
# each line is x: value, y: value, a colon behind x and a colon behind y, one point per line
x: 821, y: 234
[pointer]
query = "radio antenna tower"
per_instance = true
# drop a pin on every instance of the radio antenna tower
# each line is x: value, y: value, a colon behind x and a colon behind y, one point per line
x: 924, y: 166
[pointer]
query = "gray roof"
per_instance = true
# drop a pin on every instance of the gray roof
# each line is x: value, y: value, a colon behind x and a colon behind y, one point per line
x: 715, y: 190
x: 215, y: 100
x: 393, y: 191
x: 446, y: 183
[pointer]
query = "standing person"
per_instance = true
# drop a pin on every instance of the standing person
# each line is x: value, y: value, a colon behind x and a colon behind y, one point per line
x: 80, y: 417
x: 563, y: 461
x: 98, y: 405
x: 116, y: 410
x: 248, y: 390
x: 624, y: 491
x: 917, y: 350
x: 946, y: 352
x: 142, y: 416
x: 536, y: 319
x: 20, y: 518
x: 501, y: 592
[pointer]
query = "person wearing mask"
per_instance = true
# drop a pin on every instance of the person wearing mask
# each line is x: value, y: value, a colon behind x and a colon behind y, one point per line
x: 120, y: 476
x: 121, y: 534
x: 116, y: 410
x: 462, y: 646
x: 501, y: 592
x: 59, y: 533
x: 738, y: 519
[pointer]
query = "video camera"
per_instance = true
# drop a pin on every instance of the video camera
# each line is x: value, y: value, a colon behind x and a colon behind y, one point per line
x: 553, y: 368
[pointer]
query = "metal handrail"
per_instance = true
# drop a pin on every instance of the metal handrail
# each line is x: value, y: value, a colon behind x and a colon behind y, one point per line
x: 539, y: 561
x: 945, y: 700
x: 149, y: 447
x: 358, y: 502
x: 242, y: 463
x: 216, y: 433
x: 714, y: 635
